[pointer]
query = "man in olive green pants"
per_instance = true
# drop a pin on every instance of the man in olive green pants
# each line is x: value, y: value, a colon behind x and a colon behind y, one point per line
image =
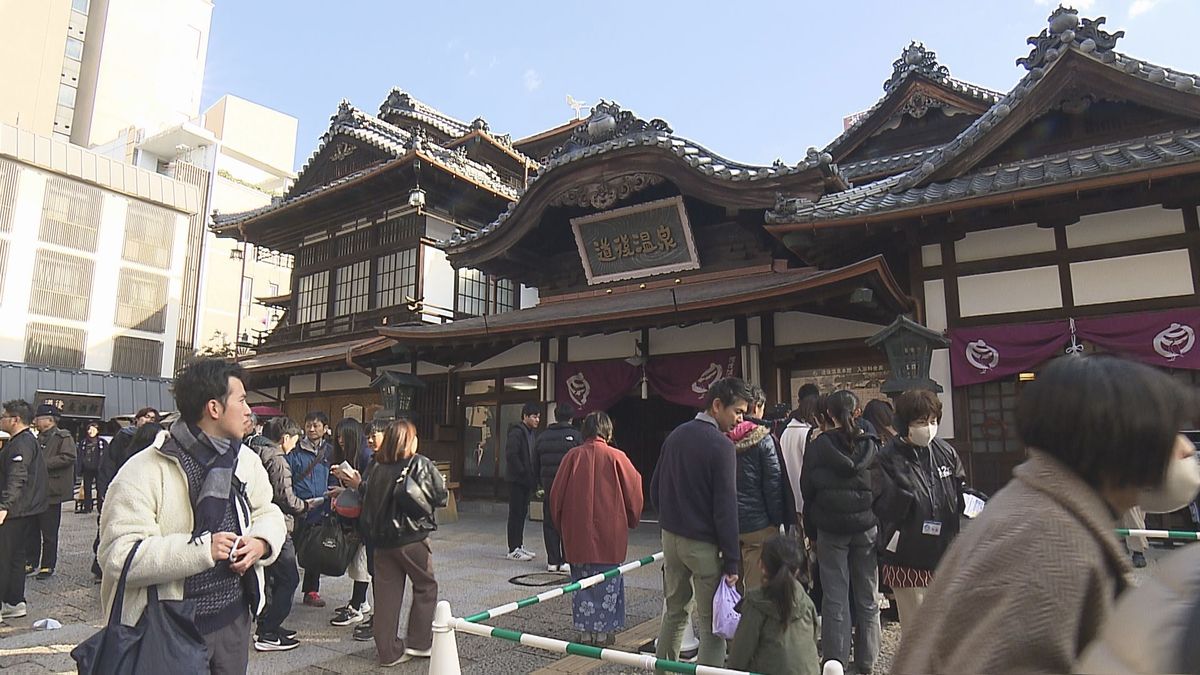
x: 694, y: 490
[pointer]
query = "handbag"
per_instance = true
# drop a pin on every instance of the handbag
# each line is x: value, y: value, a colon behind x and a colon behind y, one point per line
x: 413, y: 502
x: 328, y: 548
x: 164, y: 640
x: 725, y: 614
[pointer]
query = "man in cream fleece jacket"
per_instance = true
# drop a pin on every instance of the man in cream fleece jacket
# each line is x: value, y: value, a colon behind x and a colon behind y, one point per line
x: 200, y: 503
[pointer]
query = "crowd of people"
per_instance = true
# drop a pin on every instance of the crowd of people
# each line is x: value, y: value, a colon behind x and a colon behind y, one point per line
x: 810, y: 520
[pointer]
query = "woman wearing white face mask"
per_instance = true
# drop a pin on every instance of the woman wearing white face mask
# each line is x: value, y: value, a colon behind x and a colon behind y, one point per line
x: 921, y: 502
x: 1029, y: 585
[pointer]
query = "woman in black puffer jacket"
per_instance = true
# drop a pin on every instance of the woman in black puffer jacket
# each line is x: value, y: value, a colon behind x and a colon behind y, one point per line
x: 838, y: 484
x: 399, y: 526
x: 921, y: 502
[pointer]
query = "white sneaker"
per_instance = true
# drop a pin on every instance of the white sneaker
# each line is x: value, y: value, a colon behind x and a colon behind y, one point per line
x: 531, y: 554
x: 16, y: 611
x: 420, y: 653
x: 519, y: 554
x: 366, y: 608
x: 565, y: 568
x: 552, y: 568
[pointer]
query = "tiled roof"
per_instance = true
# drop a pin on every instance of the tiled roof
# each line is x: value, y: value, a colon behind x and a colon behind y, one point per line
x: 879, y: 165
x: 906, y: 190
x: 292, y: 358
x: 610, y: 129
x: 1149, y: 72
x: 594, y: 312
x: 351, y: 122
x: 890, y: 194
x: 915, y: 61
x: 402, y: 104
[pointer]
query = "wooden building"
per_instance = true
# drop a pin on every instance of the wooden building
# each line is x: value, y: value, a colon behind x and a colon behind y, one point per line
x: 1060, y: 219
x: 615, y: 265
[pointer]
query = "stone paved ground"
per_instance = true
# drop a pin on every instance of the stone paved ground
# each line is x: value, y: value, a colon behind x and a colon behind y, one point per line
x: 472, y: 573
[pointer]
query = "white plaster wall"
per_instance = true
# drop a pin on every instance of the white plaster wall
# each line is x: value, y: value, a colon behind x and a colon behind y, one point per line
x: 528, y: 353
x: 103, y: 310
x: 1114, y: 226
x: 302, y: 384
x: 1135, y: 277
x: 1004, y: 241
x: 697, y: 338
x: 939, y: 370
x: 1015, y: 291
x: 935, y: 304
x: 344, y: 379
x: 931, y: 255
x: 595, y: 347
x: 529, y: 297
x: 439, y: 278
x: 797, y: 328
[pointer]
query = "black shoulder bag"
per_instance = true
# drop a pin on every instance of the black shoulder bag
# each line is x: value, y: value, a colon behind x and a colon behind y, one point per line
x: 164, y: 640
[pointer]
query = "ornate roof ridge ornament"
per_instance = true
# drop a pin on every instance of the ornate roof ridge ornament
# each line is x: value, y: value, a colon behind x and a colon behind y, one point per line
x: 346, y: 114
x: 602, y: 194
x: 915, y: 59
x: 608, y: 121
x: 1067, y: 29
x: 399, y: 99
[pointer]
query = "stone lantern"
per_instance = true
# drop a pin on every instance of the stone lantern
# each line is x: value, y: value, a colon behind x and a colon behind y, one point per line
x: 397, y: 391
x: 909, y: 347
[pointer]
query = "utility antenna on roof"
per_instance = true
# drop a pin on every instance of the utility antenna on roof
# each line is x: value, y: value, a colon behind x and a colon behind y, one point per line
x: 577, y: 106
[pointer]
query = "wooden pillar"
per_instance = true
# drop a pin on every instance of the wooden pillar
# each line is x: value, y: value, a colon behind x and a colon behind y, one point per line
x: 769, y: 370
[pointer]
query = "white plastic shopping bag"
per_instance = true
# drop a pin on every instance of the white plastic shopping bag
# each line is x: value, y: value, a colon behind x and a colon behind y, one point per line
x: 725, y: 614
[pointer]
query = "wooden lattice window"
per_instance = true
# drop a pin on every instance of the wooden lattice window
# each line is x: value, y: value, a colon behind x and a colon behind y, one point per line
x: 400, y: 230
x: 353, y: 292
x: 992, y: 409
x: 62, y: 285
x: 149, y: 235
x: 312, y: 297
x: 137, y: 356
x: 141, y: 301
x: 472, y: 292
x: 71, y: 215
x: 354, y: 242
x: 54, y: 346
x: 312, y: 254
x: 397, y: 278
x: 10, y: 173
x: 505, y: 296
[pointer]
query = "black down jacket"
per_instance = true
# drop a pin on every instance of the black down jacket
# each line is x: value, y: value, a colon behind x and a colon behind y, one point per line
x: 922, y: 485
x: 838, y: 482
x: 759, y: 480
x: 549, y: 450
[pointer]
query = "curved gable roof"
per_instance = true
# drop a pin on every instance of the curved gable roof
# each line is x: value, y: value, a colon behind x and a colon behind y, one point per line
x: 642, y: 147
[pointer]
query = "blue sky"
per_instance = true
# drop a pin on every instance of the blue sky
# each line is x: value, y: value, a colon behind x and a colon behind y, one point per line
x: 751, y: 81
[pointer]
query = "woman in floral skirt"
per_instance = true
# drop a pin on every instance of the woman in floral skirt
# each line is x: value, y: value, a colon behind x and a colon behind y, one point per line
x: 595, y: 483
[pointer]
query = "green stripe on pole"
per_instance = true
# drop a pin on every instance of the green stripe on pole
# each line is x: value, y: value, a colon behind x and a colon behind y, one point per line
x: 584, y: 650
x: 1170, y: 534
x: 506, y: 634
x: 569, y: 588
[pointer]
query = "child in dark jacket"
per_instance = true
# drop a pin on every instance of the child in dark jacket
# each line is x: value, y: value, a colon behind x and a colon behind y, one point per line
x: 777, y: 634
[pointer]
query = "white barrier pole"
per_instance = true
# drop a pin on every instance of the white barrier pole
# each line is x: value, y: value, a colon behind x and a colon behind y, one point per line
x: 444, y: 657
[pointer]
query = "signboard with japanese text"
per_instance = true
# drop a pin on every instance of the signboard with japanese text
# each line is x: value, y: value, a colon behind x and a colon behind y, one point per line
x: 88, y: 406
x: 636, y: 241
x: 864, y: 380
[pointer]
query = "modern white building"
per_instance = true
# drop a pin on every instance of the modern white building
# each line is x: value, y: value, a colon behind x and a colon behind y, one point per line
x: 79, y: 69
x: 91, y: 276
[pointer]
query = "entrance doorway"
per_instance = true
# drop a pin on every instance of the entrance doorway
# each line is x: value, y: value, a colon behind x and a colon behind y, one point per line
x: 640, y: 427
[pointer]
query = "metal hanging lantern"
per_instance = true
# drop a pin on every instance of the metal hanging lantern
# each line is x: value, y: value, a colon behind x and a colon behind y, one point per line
x: 398, y: 391
x: 909, y: 347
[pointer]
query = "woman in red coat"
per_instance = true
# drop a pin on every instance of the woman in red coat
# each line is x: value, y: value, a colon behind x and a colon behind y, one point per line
x: 595, y: 483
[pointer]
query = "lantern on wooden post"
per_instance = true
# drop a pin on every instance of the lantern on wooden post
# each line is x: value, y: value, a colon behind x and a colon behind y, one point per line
x: 909, y: 347
x: 398, y: 391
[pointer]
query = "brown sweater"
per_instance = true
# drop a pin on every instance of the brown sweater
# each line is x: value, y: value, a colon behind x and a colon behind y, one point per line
x: 1027, y: 585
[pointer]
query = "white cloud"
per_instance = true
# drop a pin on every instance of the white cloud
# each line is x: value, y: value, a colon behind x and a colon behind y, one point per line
x: 1140, y: 7
x: 533, y: 80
